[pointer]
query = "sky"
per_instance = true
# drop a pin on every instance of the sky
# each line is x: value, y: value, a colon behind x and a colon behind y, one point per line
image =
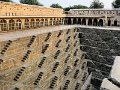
x: 65, y: 3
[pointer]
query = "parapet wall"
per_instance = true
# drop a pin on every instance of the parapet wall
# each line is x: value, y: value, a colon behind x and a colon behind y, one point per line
x: 13, y: 9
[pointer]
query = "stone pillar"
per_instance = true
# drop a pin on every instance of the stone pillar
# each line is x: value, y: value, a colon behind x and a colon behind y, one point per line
x: 93, y: 22
x: 29, y: 23
x: 34, y: 23
x: 22, y: 23
x: 66, y: 21
x: 71, y: 21
x: 106, y: 20
x: 77, y: 20
x: 15, y: 20
x: 7, y: 24
x: 48, y: 21
x: 81, y: 21
x: 98, y: 21
x: 63, y: 21
x: 86, y: 21
x: 52, y: 22
x: 0, y: 27
x: 44, y: 22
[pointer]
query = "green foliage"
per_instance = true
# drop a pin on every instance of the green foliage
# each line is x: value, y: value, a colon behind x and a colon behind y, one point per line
x: 31, y: 2
x: 116, y: 4
x: 56, y: 6
x: 6, y: 0
x: 96, y: 4
x: 75, y: 7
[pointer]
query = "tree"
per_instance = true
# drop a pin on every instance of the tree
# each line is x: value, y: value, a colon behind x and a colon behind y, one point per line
x: 97, y: 4
x: 31, y: 2
x: 116, y: 4
x: 6, y: 0
x: 56, y: 6
x: 75, y: 7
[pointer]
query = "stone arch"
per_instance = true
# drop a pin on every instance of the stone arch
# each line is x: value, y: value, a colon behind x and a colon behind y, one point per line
x: 100, y: 22
x: 90, y: 21
x: 42, y: 22
x: 62, y: 21
x: 54, y: 21
x: 115, y: 23
x: 69, y: 20
x: 3, y: 25
x: 46, y: 22
x: 50, y: 22
x: 18, y: 24
x: 37, y: 23
x: 32, y: 23
x: 84, y: 21
x: 109, y: 22
x: 74, y: 21
x: 58, y: 20
x: 95, y: 22
x: 79, y: 21
x: 11, y: 24
x: 26, y: 23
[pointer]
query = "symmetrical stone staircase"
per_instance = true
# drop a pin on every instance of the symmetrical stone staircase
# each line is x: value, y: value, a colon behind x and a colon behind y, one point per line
x: 100, y: 47
x: 70, y: 58
x: 47, y: 61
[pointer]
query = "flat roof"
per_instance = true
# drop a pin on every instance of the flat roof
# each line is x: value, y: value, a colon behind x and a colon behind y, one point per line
x: 89, y: 16
x: 33, y: 16
x: 97, y: 9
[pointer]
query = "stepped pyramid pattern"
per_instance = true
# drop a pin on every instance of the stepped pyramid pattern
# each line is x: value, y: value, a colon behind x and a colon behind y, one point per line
x: 51, y: 60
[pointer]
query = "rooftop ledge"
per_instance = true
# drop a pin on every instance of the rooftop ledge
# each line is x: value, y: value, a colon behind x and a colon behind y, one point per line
x: 62, y: 15
x: 88, y: 16
x: 24, y: 33
x: 105, y: 9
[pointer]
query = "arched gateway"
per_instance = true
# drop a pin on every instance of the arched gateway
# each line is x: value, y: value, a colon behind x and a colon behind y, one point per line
x: 100, y: 22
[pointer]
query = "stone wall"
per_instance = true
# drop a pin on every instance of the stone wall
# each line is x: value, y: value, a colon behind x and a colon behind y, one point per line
x: 13, y: 9
x: 110, y: 17
x: 57, y: 58
x: 100, y: 46
x: 44, y: 61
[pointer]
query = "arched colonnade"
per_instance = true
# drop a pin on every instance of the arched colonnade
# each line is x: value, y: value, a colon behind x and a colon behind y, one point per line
x: 90, y: 21
x: 13, y: 24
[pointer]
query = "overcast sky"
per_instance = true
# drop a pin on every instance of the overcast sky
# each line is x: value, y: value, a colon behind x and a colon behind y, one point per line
x: 66, y: 3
